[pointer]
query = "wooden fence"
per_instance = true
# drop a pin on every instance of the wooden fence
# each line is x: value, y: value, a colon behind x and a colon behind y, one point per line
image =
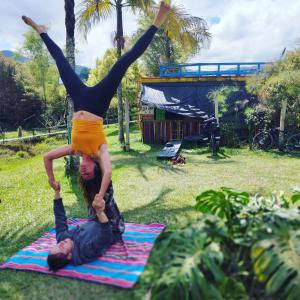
x: 36, y: 134
x: 167, y: 130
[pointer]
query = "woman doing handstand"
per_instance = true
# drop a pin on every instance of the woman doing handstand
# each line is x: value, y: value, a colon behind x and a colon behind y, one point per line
x: 90, y: 104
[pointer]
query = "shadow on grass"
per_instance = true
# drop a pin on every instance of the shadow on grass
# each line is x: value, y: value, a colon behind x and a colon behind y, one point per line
x: 113, y: 133
x: 142, y: 161
x: 156, y: 211
x: 279, y: 154
x: 76, y: 210
x: 220, y: 155
x: 21, y: 236
x: 197, y: 162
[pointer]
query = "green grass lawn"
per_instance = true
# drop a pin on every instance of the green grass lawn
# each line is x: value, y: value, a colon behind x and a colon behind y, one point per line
x: 146, y: 190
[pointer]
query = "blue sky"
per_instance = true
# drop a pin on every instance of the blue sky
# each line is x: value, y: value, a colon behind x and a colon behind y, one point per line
x: 242, y: 30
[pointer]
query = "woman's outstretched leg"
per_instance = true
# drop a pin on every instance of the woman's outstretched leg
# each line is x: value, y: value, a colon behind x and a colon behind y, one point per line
x: 72, y: 82
x: 117, y: 72
x: 104, y: 90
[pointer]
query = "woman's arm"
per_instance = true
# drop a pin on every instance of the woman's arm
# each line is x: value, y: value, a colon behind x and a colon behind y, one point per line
x: 99, y: 206
x: 48, y: 158
x: 105, y: 165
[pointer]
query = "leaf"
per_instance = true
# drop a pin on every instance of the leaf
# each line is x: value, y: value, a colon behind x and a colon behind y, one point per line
x: 277, y: 262
x: 225, y: 206
x: 214, y: 203
x: 192, y: 262
x: 295, y: 198
x: 232, y: 289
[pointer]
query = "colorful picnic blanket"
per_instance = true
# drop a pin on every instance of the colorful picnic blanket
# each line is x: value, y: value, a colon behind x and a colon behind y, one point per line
x: 120, y: 266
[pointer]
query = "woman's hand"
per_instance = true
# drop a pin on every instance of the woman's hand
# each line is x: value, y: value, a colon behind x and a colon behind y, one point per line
x: 99, y: 206
x: 98, y: 203
x: 55, y: 185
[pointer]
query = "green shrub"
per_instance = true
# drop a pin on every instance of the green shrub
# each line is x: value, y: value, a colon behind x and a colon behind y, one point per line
x: 22, y: 154
x: 258, y: 118
x: 243, y: 247
x: 229, y: 134
x: 6, y: 152
x: 51, y: 140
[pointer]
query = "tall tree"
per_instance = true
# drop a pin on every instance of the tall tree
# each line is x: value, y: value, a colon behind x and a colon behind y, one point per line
x: 181, y: 37
x: 70, y: 49
x: 189, y: 31
x: 34, y: 49
x: 278, y: 87
x: 44, y: 76
x: 18, y: 101
x: 91, y: 12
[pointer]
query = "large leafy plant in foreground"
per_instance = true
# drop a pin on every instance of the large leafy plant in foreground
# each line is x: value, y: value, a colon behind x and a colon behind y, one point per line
x: 242, y: 247
x: 276, y: 256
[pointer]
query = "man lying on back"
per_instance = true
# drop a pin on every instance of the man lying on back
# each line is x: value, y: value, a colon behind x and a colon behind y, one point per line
x: 83, y: 243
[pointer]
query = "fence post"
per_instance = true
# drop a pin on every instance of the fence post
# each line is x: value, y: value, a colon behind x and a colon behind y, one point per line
x: 127, y: 119
x: 20, y: 131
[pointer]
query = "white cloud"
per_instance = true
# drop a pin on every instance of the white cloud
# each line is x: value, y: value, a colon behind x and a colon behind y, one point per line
x: 242, y: 30
x: 252, y: 30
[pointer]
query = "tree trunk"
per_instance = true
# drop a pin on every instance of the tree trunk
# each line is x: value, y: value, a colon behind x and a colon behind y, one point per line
x: 44, y: 93
x: 70, y: 49
x: 282, y: 121
x: 168, y: 49
x: 216, y: 109
x: 127, y: 120
x: 120, y: 46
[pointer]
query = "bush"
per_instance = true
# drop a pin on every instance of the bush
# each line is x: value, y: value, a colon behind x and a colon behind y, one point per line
x: 29, y: 149
x: 229, y: 134
x: 6, y: 152
x: 22, y: 154
x: 242, y: 248
x: 258, y: 118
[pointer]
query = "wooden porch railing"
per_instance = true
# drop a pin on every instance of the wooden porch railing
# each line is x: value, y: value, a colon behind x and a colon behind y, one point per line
x: 164, y: 131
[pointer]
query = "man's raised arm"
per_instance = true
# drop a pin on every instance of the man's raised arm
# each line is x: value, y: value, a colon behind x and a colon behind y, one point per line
x: 99, y: 206
x: 61, y: 225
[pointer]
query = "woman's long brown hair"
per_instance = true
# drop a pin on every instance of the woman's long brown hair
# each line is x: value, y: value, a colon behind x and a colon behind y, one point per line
x: 91, y: 187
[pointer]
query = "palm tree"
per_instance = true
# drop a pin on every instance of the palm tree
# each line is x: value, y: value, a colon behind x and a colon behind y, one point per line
x: 93, y: 11
x: 190, y: 32
x: 70, y: 54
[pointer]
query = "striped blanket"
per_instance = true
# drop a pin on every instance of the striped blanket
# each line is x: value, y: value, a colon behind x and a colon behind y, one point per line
x: 121, y: 265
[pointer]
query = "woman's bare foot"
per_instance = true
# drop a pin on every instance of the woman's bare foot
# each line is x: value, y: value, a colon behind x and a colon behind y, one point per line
x: 162, y: 14
x: 39, y: 28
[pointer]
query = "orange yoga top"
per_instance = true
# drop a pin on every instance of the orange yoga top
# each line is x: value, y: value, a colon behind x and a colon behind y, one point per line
x: 87, y: 136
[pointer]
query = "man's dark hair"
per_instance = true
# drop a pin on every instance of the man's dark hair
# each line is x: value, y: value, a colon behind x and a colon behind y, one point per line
x: 57, y: 261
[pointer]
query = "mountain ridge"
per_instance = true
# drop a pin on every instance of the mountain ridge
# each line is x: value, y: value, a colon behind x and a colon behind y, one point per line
x: 81, y: 71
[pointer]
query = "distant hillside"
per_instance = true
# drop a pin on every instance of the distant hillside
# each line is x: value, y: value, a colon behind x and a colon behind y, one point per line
x: 11, y: 54
x: 82, y: 71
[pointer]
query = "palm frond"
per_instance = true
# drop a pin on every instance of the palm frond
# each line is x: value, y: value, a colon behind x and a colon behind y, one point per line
x: 91, y: 12
x: 135, y: 5
x: 191, y: 32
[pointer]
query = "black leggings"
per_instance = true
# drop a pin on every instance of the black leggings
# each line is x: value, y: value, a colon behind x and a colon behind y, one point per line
x: 96, y: 99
